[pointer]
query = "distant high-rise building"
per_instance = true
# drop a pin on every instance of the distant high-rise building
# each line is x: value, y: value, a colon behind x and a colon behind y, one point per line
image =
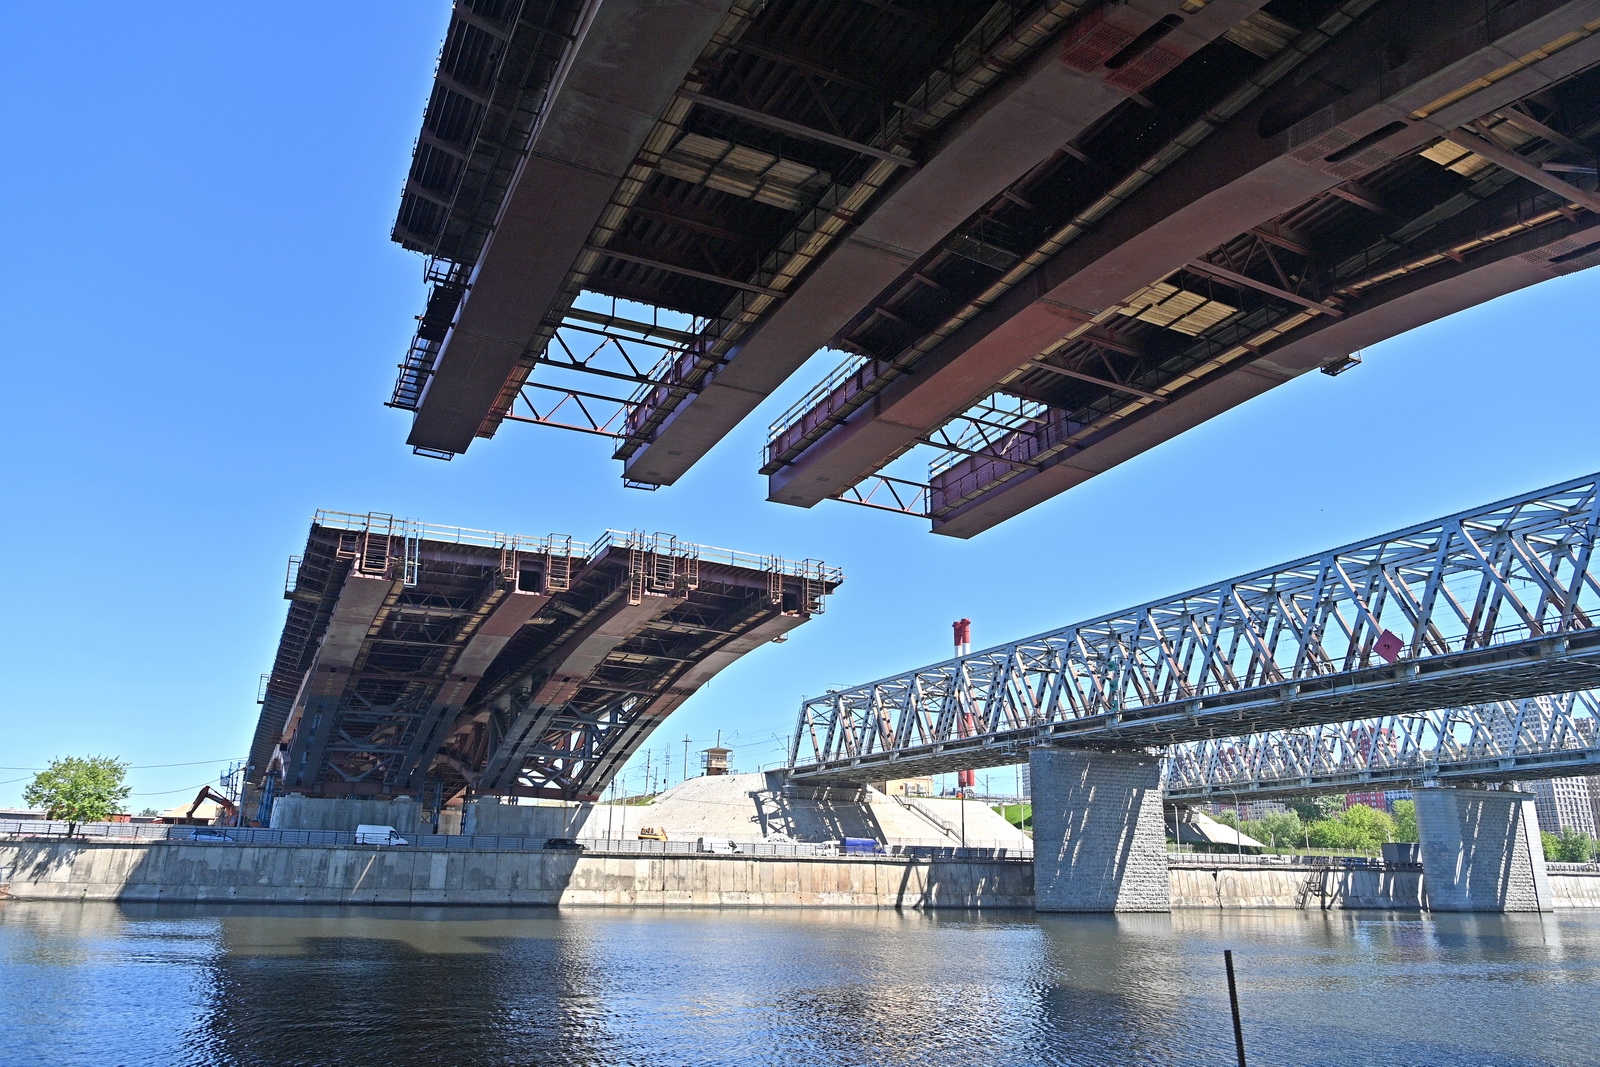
x: 1564, y: 804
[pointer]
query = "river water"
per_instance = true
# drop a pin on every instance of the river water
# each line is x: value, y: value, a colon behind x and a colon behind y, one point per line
x: 112, y: 984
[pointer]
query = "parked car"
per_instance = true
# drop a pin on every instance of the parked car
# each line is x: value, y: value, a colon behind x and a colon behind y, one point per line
x: 203, y: 834
x: 367, y: 834
x: 860, y: 846
x: 565, y: 844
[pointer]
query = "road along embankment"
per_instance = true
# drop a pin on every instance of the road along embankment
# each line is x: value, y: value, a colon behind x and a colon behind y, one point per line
x: 292, y: 874
x: 356, y: 874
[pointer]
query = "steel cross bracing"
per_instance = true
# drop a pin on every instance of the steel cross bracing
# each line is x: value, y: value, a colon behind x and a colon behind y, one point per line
x: 1537, y: 737
x: 1499, y: 602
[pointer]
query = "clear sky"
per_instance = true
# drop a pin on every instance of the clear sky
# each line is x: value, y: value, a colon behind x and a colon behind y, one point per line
x: 206, y: 312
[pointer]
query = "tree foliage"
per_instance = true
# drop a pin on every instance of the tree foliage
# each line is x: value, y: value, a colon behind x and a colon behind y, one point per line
x: 1405, y: 820
x: 1318, y: 808
x: 79, y: 789
x: 1357, y: 828
x: 1279, y: 829
x: 1569, y: 846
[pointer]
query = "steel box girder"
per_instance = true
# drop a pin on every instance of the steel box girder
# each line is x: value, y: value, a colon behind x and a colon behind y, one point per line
x: 1234, y: 180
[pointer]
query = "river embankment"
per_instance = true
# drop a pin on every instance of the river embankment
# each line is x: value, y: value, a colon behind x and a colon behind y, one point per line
x: 364, y: 874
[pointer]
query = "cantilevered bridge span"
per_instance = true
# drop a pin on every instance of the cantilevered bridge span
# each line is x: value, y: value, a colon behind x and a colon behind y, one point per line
x: 1499, y: 603
x: 431, y: 660
x: 1043, y: 236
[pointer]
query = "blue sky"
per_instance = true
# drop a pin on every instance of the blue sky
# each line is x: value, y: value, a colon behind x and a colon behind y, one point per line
x: 205, y: 316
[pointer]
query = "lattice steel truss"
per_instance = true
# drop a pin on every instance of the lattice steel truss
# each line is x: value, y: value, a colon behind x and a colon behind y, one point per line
x: 1499, y: 602
x: 1539, y: 737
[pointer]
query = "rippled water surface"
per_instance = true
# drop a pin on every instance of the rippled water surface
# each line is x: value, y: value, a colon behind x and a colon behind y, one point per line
x: 110, y: 984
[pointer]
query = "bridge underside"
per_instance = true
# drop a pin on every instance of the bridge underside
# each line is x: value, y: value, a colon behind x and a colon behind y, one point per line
x: 1048, y: 236
x: 429, y: 661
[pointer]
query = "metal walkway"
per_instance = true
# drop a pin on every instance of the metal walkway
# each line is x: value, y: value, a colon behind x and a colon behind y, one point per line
x: 1540, y: 737
x: 1500, y: 602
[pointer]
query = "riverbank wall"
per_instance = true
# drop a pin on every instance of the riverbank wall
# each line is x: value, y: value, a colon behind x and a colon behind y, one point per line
x: 320, y: 874
x: 301, y: 874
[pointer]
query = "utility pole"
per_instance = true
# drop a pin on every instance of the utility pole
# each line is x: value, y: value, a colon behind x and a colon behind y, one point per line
x: 648, y: 781
x: 686, y: 757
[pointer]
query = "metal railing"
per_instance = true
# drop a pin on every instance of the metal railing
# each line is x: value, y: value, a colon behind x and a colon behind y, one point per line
x: 564, y: 545
x: 39, y: 830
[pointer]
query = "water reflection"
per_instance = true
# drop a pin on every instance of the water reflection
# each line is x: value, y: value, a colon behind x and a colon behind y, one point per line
x: 175, y: 984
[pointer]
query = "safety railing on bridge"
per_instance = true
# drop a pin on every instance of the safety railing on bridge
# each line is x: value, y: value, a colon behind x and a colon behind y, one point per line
x: 413, y: 530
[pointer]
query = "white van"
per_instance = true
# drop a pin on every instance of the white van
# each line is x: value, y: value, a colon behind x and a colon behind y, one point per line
x: 378, y: 835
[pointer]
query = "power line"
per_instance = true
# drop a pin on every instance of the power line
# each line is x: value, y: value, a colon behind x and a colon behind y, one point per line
x: 140, y: 767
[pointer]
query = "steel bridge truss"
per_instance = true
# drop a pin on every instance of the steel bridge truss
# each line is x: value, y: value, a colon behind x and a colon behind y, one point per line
x: 1499, y: 602
x: 1539, y: 737
x: 592, y: 371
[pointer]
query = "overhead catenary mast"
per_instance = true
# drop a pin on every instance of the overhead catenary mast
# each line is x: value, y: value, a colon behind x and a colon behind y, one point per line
x: 963, y: 636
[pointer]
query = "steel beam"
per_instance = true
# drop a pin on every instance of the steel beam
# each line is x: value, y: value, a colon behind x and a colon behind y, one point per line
x: 1441, y: 286
x: 1171, y: 213
x: 996, y: 141
x: 563, y: 674
x: 1541, y: 737
x: 361, y: 602
x: 629, y: 60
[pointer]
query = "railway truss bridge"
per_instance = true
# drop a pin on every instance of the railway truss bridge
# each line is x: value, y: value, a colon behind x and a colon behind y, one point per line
x: 1451, y: 648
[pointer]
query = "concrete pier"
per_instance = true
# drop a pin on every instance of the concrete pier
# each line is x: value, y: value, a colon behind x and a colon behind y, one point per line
x: 1098, y: 836
x: 1481, y: 850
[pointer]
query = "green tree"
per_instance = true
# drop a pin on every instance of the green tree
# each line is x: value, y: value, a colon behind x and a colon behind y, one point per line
x: 78, y: 789
x: 1569, y: 846
x: 1227, y: 818
x: 1405, y: 821
x: 1279, y: 829
x: 1312, y: 809
x: 1358, y: 827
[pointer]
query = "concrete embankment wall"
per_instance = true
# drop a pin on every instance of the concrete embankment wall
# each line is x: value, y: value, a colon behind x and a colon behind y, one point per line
x: 1575, y: 890
x: 369, y: 875
x: 366, y: 875
x: 1218, y: 885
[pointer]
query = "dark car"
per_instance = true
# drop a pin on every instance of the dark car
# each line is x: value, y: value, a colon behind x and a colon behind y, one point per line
x: 565, y: 843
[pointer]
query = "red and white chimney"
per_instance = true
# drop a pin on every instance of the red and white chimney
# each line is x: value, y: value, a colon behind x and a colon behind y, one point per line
x: 963, y: 634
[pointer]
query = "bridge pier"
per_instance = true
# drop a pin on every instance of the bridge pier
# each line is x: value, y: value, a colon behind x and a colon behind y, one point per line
x: 1481, y: 850
x: 1099, y: 839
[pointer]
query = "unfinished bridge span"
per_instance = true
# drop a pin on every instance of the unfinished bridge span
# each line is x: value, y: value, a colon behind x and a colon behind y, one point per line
x: 1042, y: 237
x: 427, y: 661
